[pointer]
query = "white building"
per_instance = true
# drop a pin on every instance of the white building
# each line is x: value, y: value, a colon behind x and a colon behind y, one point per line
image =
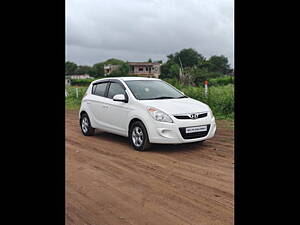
x: 145, y: 69
x: 79, y: 76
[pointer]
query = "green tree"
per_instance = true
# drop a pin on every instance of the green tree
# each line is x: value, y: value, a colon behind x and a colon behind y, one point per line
x: 122, y: 71
x: 189, y: 57
x: 167, y: 70
x: 174, y: 70
x: 97, y: 70
x: 113, y: 61
x: 70, y: 68
x: 83, y: 70
x: 196, y: 68
x: 219, y: 64
x: 199, y: 75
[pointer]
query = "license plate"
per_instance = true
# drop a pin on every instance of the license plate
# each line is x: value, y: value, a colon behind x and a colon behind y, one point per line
x: 195, y: 129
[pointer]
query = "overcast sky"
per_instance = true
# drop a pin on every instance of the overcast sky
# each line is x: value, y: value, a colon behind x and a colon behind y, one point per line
x: 136, y: 30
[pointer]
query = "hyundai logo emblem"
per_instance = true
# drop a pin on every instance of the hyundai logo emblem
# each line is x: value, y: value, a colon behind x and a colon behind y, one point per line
x: 193, y: 116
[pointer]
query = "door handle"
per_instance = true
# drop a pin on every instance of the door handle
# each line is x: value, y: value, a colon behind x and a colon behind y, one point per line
x: 105, y: 106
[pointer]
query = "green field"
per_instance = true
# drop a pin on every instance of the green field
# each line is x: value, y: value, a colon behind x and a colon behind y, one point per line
x: 219, y: 98
x: 72, y: 102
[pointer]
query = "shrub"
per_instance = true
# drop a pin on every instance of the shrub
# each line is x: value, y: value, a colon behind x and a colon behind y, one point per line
x: 81, y: 82
x: 225, y: 80
x: 175, y: 82
x: 220, y: 99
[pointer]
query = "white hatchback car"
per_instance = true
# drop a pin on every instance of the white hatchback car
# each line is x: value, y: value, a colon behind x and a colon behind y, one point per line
x: 147, y: 110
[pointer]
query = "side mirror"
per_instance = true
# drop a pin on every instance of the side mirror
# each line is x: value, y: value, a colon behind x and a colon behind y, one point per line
x: 119, y: 98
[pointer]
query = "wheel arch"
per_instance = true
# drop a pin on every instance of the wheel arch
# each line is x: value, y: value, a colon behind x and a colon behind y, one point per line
x: 134, y: 119
x: 88, y: 113
x: 83, y: 112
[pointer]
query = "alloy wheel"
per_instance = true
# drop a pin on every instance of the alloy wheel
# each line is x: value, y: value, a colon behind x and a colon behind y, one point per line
x: 85, y: 124
x: 137, y: 136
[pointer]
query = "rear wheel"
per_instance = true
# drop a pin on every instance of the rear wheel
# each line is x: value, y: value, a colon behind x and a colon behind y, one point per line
x: 85, y: 125
x: 138, y: 136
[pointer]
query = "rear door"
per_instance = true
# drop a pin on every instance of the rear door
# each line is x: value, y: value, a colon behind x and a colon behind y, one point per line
x: 97, y: 104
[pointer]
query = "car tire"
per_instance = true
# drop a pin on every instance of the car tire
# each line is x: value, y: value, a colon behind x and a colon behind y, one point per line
x: 85, y: 125
x: 138, y: 136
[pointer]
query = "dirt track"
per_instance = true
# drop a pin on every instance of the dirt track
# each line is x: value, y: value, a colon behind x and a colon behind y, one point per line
x: 109, y: 183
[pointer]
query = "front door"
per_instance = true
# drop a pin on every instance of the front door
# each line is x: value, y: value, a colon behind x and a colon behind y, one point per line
x: 117, y: 112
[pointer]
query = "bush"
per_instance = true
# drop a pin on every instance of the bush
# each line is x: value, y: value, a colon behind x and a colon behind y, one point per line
x: 225, y: 80
x: 81, y: 82
x: 220, y: 99
x: 173, y: 81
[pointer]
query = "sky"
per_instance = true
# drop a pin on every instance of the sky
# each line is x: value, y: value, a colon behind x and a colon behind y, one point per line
x: 136, y: 30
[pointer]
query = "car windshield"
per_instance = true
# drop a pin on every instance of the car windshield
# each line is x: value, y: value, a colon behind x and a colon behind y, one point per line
x: 153, y: 89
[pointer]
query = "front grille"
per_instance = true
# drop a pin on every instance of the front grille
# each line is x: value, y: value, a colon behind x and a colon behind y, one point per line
x: 193, y: 135
x: 186, y: 117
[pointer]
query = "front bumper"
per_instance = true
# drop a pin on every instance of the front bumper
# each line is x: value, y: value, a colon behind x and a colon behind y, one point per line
x: 169, y: 133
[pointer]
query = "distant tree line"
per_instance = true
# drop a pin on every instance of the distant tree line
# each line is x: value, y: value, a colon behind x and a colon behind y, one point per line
x: 193, y: 66
x: 97, y: 70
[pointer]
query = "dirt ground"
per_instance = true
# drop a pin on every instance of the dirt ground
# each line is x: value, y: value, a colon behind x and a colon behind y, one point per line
x: 109, y: 183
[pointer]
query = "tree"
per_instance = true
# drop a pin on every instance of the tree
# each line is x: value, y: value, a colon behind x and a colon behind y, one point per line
x: 97, y: 70
x: 169, y: 70
x: 188, y: 57
x: 150, y: 60
x: 83, y: 70
x: 170, y: 58
x: 219, y: 64
x: 122, y: 71
x: 113, y: 61
x: 174, y: 70
x: 70, y: 68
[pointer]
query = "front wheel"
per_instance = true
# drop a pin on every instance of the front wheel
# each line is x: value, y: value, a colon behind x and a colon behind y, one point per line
x: 138, y: 136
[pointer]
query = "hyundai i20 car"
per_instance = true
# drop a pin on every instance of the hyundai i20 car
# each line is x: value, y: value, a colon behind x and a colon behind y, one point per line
x: 146, y: 110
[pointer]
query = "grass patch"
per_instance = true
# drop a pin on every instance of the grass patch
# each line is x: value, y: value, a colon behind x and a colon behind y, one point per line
x: 71, y: 101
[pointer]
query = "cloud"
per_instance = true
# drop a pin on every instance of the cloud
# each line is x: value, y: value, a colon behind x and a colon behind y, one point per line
x: 136, y: 30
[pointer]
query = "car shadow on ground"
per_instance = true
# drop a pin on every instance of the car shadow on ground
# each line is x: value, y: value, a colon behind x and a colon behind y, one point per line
x: 161, y: 148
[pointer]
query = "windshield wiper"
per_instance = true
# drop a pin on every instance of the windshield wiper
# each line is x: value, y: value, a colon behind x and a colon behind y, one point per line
x: 161, y: 97
x: 183, y: 96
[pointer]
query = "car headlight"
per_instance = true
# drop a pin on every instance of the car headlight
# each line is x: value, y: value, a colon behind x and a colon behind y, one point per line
x: 159, y: 115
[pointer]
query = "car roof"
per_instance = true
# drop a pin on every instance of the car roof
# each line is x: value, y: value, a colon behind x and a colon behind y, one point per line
x: 125, y: 78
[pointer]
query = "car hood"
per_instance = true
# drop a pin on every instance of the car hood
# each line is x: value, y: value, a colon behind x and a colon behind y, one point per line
x: 177, y: 106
